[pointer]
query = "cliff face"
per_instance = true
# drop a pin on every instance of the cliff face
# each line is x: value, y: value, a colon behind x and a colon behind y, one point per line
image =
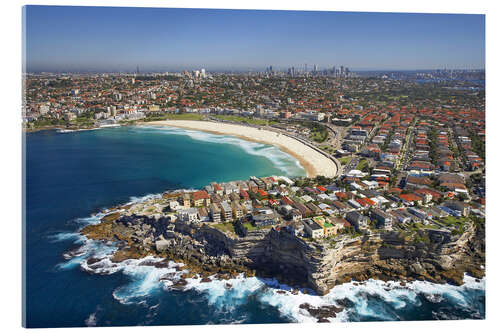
x: 439, y: 257
x: 436, y: 256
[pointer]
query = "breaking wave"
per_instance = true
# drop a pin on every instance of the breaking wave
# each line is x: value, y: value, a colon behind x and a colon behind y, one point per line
x: 370, y: 300
x: 151, y: 278
x: 283, y: 161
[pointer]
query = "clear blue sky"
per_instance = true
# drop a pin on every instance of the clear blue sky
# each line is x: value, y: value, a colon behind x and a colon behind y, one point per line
x: 119, y: 39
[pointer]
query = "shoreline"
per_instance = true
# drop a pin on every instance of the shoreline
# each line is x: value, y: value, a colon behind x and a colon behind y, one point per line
x: 312, y: 161
x: 115, y: 225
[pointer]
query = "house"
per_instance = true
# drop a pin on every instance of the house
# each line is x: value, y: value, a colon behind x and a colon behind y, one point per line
x: 329, y: 229
x: 417, y: 182
x: 302, y: 208
x: 342, y: 207
x: 174, y: 205
x: 186, y: 200
x: 230, y: 188
x: 244, y: 195
x: 264, y: 219
x: 402, y: 215
x: 418, y: 213
x: 354, y: 204
x: 203, y: 214
x: 384, y: 220
x: 188, y: 214
x: 201, y: 198
x: 295, y: 215
x: 312, y: 229
x: 306, y: 198
x: 315, y: 209
x: 358, y: 220
x: 323, y: 206
x: 285, y: 209
x: 237, y: 209
x: 450, y: 211
x: 247, y: 206
x: 217, y: 188
x: 215, y: 213
x: 226, y: 211
x: 427, y: 191
x: 339, y: 222
x: 458, y: 206
x: 436, y: 212
x: 410, y: 199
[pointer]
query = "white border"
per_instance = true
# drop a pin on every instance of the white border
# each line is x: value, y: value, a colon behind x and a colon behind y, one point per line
x: 11, y: 143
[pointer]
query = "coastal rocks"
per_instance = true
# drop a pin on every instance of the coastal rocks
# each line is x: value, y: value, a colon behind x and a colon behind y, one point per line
x: 179, y: 285
x: 323, y: 312
x: 74, y: 253
x: 163, y: 245
x: 453, y: 276
x: 129, y: 253
x: 210, y: 253
x: 167, y: 277
x: 93, y: 260
x: 111, y: 217
x: 157, y: 264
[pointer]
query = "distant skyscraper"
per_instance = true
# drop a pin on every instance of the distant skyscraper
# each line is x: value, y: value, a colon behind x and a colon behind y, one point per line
x: 203, y: 74
x: 315, y: 68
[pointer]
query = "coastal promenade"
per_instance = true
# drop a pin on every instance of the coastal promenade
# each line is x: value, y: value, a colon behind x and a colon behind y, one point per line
x: 313, y: 160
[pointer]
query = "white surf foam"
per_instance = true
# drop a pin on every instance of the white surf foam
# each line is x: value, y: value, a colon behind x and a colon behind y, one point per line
x: 146, y: 280
x: 67, y: 236
x: 283, y: 161
x: 91, y: 321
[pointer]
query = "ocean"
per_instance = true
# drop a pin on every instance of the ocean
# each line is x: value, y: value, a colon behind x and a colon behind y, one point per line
x: 71, y: 176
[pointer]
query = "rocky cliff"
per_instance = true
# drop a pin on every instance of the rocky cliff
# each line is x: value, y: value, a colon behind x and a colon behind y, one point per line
x: 434, y: 255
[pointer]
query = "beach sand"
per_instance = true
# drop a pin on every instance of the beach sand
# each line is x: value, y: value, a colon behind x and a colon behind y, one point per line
x: 313, y: 162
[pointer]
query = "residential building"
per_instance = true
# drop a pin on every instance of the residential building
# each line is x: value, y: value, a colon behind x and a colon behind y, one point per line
x: 312, y: 229
x: 358, y: 220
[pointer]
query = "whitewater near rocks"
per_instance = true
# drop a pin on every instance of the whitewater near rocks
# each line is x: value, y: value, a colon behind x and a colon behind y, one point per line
x: 151, y: 279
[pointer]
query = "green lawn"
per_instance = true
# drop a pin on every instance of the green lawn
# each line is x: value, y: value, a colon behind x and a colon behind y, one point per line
x: 345, y: 160
x: 451, y: 220
x: 458, y: 223
x: 252, y: 121
x: 362, y: 164
x: 250, y: 227
x: 227, y: 226
x: 319, y: 136
x: 181, y: 116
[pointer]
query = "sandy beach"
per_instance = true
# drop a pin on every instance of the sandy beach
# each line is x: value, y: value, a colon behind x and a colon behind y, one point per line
x: 313, y: 162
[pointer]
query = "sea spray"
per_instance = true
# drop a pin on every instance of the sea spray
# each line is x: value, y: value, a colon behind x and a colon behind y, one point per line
x: 369, y: 300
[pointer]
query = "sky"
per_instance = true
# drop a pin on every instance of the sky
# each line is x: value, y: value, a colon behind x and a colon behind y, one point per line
x: 108, y: 39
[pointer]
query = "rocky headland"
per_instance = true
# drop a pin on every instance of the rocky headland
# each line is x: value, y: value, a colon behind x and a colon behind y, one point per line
x: 206, y: 251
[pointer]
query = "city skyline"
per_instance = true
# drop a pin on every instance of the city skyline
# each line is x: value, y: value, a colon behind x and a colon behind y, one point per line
x: 107, y: 39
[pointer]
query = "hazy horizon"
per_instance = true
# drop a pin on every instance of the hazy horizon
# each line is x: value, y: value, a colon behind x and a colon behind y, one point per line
x: 118, y: 39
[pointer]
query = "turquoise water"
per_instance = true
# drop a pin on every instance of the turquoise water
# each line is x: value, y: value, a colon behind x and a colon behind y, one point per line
x: 71, y: 176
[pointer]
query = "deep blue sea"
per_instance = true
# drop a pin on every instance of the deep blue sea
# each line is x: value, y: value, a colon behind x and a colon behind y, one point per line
x: 71, y: 176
